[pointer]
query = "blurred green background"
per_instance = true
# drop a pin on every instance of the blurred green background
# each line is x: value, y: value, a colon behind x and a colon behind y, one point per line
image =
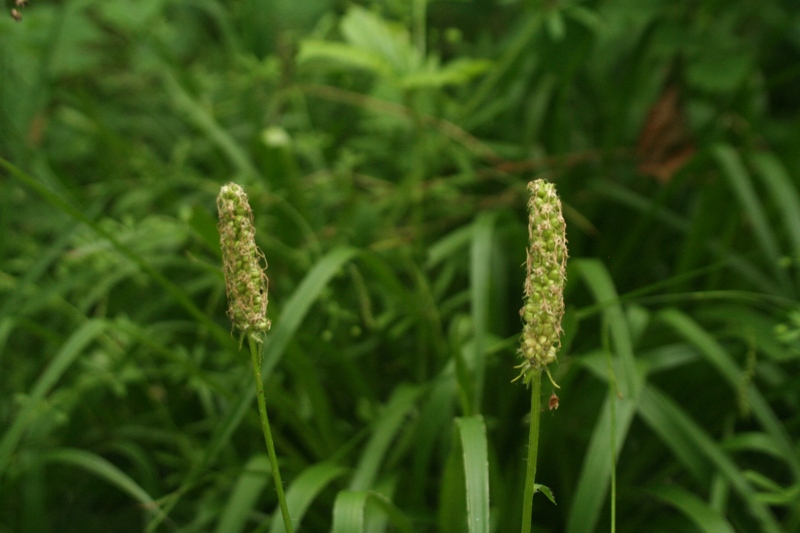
x: 385, y: 147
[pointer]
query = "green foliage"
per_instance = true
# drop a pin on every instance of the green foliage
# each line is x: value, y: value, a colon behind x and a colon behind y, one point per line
x: 385, y: 148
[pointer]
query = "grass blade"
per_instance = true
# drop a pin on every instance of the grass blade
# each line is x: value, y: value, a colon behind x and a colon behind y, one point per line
x: 739, y: 180
x: 252, y: 481
x: 652, y: 400
x: 480, y: 279
x: 701, y: 513
x: 348, y: 511
x: 303, y: 490
x: 63, y: 360
x: 592, y: 485
x: 386, y: 429
x: 349, y: 507
x: 472, y: 432
x: 721, y: 360
x: 599, y: 281
x: 284, y: 329
x: 784, y: 195
x: 220, y: 334
x: 103, y: 469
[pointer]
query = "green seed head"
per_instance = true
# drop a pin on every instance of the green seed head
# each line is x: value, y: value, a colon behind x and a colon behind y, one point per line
x: 243, y: 263
x: 545, y: 280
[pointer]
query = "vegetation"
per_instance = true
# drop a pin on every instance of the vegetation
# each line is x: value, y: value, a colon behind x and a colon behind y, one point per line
x: 386, y: 147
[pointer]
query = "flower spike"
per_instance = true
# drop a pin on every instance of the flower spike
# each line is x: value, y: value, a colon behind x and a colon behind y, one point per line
x: 243, y: 263
x: 545, y: 280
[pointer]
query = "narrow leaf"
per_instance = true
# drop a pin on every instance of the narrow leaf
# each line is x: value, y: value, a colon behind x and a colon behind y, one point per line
x: 472, y: 432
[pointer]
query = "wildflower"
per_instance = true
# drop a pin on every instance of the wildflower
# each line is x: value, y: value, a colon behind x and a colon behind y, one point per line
x: 545, y: 280
x: 243, y: 263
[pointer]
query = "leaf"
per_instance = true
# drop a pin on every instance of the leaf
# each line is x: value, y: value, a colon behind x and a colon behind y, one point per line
x: 701, y: 513
x: 741, y: 183
x: 349, y: 508
x: 653, y: 400
x: 345, y: 54
x: 63, y: 360
x: 255, y: 476
x: 274, y: 347
x: 348, y: 511
x: 103, y: 469
x: 784, y: 195
x: 392, y: 44
x: 303, y: 490
x: 544, y: 489
x: 457, y: 72
x: 383, y: 434
x: 721, y: 360
x: 472, y: 433
x: 592, y: 486
x: 480, y: 276
x: 598, y: 279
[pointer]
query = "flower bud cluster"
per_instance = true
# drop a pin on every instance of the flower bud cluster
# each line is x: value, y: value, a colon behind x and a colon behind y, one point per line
x: 243, y: 262
x: 545, y: 280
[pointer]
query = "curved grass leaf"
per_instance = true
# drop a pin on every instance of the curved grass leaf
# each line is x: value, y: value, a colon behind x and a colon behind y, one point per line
x: 103, y: 469
x: 652, y: 400
x: 303, y: 490
x: 701, y: 513
x: 719, y: 358
x: 349, y: 508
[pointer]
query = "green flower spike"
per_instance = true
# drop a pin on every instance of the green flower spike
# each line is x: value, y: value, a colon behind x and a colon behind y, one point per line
x: 544, y: 284
x: 246, y: 283
x: 243, y: 263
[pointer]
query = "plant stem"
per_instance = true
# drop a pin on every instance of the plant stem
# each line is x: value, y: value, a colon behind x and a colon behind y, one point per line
x: 613, y: 394
x: 262, y: 409
x: 533, y: 452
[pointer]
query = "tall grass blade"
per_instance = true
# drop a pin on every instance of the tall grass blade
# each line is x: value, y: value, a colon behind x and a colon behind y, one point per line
x: 480, y: 282
x: 652, y: 400
x: 592, y: 486
x: 719, y: 358
x: 303, y: 490
x: 242, y: 501
x: 615, y: 417
x: 784, y: 195
x: 472, y: 433
x: 741, y: 183
x: 599, y: 281
x: 389, y: 424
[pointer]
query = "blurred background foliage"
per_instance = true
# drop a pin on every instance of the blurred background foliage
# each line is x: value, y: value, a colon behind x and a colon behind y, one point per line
x: 385, y: 146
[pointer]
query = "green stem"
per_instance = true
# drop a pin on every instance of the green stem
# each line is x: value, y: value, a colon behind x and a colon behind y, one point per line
x: 533, y: 452
x: 613, y: 394
x: 262, y: 409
